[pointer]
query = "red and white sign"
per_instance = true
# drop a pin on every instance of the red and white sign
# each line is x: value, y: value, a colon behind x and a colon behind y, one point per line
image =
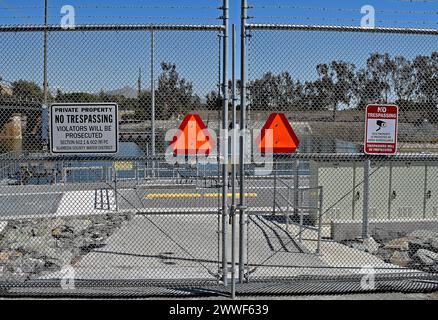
x: 381, y: 129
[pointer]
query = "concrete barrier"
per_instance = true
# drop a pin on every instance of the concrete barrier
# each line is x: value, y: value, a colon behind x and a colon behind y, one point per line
x: 380, y: 229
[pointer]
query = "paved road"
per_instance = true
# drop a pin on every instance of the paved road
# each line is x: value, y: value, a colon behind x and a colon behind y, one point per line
x: 162, y: 242
x: 164, y: 197
x: 186, y: 247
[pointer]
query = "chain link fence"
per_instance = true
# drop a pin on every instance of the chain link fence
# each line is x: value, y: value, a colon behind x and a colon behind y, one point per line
x: 322, y: 78
x: 107, y: 220
x: 136, y: 223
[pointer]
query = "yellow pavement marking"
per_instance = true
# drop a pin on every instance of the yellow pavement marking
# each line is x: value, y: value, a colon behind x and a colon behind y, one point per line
x: 123, y: 165
x: 173, y: 195
x: 193, y: 195
x: 229, y: 195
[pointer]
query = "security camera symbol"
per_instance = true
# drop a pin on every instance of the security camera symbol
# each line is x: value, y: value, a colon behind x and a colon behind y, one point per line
x: 381, y: 124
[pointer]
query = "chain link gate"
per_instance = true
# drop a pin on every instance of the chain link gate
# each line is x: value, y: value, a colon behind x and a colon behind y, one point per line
x: 139, y: 218
x: 331, y: 224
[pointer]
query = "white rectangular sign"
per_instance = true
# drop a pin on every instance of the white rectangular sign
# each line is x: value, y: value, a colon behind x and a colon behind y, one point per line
x: 78, y: 128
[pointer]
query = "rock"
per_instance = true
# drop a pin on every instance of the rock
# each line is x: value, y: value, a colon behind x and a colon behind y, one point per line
x: 11, y: 235
x: 14, y: 239
x: 13, y: 274
x: 385, y: 254
x: 434, y: 245
x: 423, y: 234
x: 382, y: 235
x: 62, y: 232
x: 79, y: 225
x: 371, y: 245
x: 417, y: 244
x: 56, y: 223
x: 40, y: 230
x: 400, y: 258
x: 3, y: 225
x: 8, y: 256
x: 426, y: 257
x: 27, y: 265
x: 367, y: 245
x: 36, y: 244
x: 401, y: 244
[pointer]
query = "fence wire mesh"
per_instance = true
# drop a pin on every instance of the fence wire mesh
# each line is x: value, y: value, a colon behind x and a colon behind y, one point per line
x: 322, y: 78
x: 138, y: 224
x: 107, y: 220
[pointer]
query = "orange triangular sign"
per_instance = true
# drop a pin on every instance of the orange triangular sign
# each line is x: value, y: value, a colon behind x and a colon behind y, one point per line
x: 192, y: 137
x: 277, y: 136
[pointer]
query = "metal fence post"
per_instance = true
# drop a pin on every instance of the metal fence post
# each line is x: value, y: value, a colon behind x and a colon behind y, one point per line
x: 366, y: 198
x: 233, y: 168
x: 242, y: 204
x: 275, y: 189
x: 320, y: 213
x: 45, y: 84
x: 225, y: 145
x: 152, y: 98
x: 114, y: 169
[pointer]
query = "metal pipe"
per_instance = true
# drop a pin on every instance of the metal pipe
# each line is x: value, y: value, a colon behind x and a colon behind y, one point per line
x: 390, y: 191
x: 321, y: 199
x: 152, y: 97
x: 353, y: 199
x: 233, y: 169
x: 242, y: 203
x: 425, y: 190
x: 340, y: 28
x: 366, y: 199
x: 225, y: 145
x: 112, y: 27
x: 302, y: 156
x: 45, y: 80
x: 296, y: 186
x: 275, y: 189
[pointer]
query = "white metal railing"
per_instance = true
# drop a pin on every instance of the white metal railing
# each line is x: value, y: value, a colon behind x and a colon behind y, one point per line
x: 296, y: 207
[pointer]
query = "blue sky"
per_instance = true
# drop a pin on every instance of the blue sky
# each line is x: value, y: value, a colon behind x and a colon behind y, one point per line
x: 388, y: 12
x: 109, y: 61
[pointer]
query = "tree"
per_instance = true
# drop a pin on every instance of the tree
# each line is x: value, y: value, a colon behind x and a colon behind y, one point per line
x: 175, y: 95
x: 403, y: 79
x: 379, y: 69
x: 343, y: 80
x: 213, y: 101
x: 426, y: 74
x: 276, y: 93
x: 27, y: 90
